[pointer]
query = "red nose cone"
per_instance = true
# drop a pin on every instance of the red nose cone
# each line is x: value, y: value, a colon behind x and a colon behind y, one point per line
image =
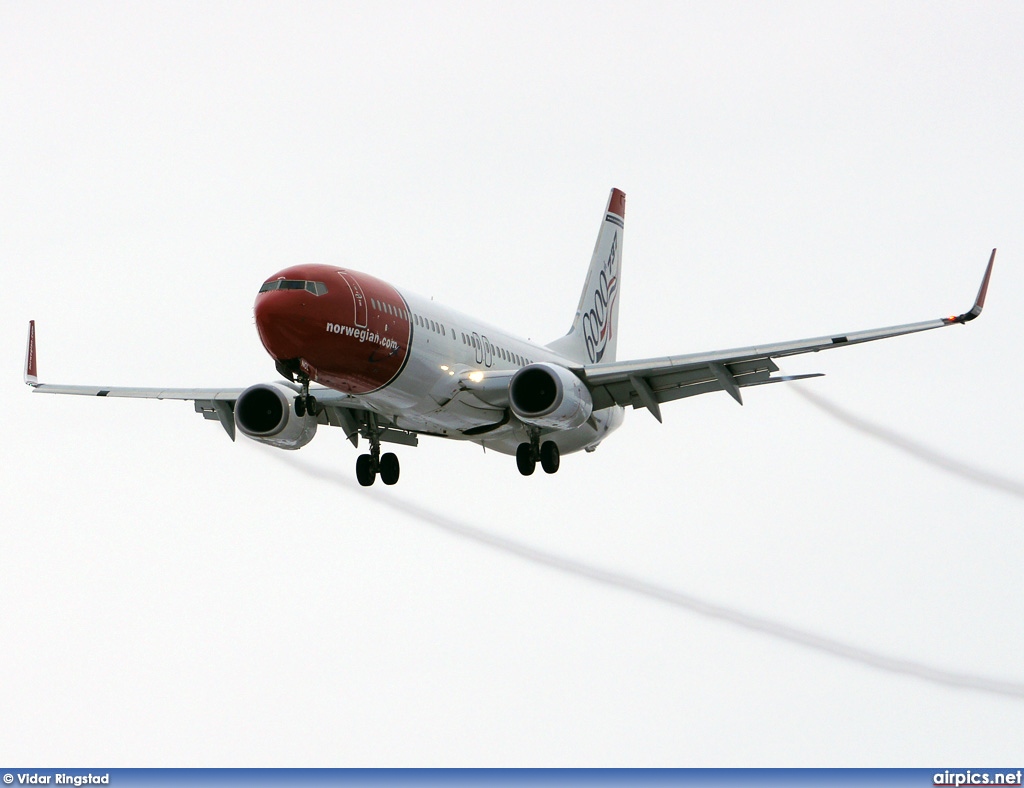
x: 346, y: 330
x: 283, y: 323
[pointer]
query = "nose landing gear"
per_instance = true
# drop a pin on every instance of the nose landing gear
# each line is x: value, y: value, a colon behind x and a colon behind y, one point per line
x: 305, y: 402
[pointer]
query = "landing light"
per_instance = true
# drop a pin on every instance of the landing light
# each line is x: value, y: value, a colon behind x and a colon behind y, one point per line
x: 476, y: 376
x: 444, y: 367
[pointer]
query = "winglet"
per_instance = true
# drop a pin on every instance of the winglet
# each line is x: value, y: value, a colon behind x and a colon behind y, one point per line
x: 31, y: 378
x: 979, y: 302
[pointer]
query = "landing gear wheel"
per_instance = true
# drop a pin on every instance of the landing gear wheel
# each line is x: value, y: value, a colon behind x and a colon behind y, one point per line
x: 389, y: 468
x: 549, y: 457
x: 366, y: 474
x: 525, y: 460
x: 305, y: 402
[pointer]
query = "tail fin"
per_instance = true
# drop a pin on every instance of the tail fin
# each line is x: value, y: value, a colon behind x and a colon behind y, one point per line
x: 595, y: 329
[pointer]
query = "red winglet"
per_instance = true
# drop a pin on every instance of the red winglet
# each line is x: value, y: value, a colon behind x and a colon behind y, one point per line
x: 30, y: 355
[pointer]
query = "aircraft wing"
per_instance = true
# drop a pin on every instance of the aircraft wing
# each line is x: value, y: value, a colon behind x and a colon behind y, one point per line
x: 225, y: 395
x: 649, y: 382
x: 334, y: 408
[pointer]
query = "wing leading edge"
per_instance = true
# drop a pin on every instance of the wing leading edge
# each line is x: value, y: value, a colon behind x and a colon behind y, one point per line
x: 218, y: 404
x: 649, y: 382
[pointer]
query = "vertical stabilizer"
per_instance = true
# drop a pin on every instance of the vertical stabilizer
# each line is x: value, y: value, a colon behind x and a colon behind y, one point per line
x: 595, y: 329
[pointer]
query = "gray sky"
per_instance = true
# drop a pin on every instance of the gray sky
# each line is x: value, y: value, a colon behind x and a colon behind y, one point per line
x: 171, y: 598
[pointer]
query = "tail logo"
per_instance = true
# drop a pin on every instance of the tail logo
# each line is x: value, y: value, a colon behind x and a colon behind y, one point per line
x: 597, y: 321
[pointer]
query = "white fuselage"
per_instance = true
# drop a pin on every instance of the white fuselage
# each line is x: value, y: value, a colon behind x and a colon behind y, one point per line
x: 445, y: 344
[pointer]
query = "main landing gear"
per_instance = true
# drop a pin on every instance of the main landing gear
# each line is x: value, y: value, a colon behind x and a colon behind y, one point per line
x: 527, y: 455
x: 369, y: 465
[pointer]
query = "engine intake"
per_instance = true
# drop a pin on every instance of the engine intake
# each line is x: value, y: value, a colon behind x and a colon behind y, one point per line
x: 266, y: 413
x: 547, y: 395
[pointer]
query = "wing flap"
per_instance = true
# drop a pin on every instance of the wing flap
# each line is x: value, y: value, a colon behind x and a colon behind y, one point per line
x: 670, y: 382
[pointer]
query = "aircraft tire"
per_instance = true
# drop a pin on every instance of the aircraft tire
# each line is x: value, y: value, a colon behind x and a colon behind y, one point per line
x: 389, y: 468
x: 549, y: 457
x: 366, y: 474
x: 525, y: 459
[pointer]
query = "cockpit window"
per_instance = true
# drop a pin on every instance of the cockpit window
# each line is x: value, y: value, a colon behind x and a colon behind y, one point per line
x: 316, y: 288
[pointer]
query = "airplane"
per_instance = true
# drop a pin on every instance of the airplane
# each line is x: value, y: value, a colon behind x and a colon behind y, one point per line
x: 388, y: 366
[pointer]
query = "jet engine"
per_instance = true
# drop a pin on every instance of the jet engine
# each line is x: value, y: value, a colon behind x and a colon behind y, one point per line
x: 547, y: 395
x: 266, y: 413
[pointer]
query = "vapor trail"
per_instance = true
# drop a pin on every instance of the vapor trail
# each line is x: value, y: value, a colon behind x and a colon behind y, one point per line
x: 911, y: 447
x: 675, y: 598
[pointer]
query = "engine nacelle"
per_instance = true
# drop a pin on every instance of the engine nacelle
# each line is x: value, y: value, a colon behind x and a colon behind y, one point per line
x: 547, y: 395
x: 266, y: 413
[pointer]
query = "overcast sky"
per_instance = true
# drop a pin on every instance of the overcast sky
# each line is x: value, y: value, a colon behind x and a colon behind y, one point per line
x: 763, y: 585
